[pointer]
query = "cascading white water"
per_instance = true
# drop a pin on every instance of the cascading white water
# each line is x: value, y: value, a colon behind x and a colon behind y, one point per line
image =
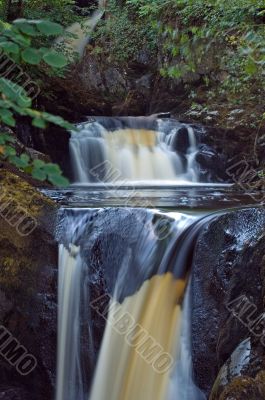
x: 76, y: 42
x: 181, y: 385
x: 69, y: 383
x: 132, y: 154
x: 146, y: 279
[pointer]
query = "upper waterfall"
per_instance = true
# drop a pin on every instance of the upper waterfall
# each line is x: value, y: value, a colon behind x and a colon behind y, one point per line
x: 124, y: 150
x: 80, y: 31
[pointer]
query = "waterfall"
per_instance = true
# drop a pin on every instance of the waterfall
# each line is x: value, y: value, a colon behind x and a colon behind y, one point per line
x: 181, y: 385
x: 133, y: 150
x: 127, y: 270
x: 135, y: 363
x: 69, y: 378
x: 78, y: 34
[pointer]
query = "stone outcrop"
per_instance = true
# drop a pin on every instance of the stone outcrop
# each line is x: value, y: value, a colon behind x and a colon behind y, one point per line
x: 228, y: 269
x: 28, y: 276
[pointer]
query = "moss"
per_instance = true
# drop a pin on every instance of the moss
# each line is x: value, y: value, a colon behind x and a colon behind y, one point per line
x: 260, y: 381
x: 242, y: 388
x: 21, y: 254
x: 22, y: 193
x: 14, y: 268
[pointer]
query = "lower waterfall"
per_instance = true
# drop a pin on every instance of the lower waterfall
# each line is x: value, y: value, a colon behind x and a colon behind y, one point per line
x: 124, y: 272
x: 69, y: 380
x: 138, y: 347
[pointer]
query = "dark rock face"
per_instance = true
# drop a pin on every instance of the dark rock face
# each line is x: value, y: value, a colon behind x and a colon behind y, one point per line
x: 211, y: 165
x: 114, y: 90
x: 99, y: 86
x: 181, y: 141
x: 15, y: 394
x: 51, y: 145
x: 229, y: 262
x: 28, y: 292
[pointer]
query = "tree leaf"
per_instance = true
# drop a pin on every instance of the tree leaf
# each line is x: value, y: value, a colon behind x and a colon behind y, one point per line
x: 39, y: 174
x: 7, y: 117
x: 49, y: 28
x: 18, y: 37
x: 31, y: 56
x: 9, y: 151
x: 57, y: 121
x: 52, y: 169
x: 25, y: 27
x: 9, y: 47
x: 39, y: 123
x: 25, y: 158
x: 6, y: 138
x: 58, y: 180
x: 55, y: 59
x: 14, y: 92
x: 18, y: 161
x: 38, y: 164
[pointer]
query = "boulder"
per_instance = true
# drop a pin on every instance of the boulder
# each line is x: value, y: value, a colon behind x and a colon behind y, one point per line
x: 237, y: 378
x: 180, y: 141
x: 245, y: 388
x: 210, y: 164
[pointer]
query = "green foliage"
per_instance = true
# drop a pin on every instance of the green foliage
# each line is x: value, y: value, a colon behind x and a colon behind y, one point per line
x: 37, y: 168
x: 17, y: 52
x: 206, y: 36
x: 125, y: 33
x: 227, y: 28
x: 147, y: 8
x: 16, y: 42
x: 188, y: 33
x: 48, y: 171
x: 65, y: 12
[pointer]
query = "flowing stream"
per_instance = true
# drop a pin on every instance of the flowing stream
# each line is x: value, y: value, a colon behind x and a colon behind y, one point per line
x: 124, y: 326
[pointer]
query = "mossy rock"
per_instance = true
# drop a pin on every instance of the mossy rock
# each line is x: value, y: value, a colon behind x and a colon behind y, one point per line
x: 27, y: 219
x: 28, y: 284
x: 242, y: 388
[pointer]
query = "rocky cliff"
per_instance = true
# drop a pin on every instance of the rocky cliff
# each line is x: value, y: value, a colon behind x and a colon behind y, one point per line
x: 28, y: 281
x: 228, y: 306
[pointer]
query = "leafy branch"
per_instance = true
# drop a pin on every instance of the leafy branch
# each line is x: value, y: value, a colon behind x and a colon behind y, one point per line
x: 16, y: 45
